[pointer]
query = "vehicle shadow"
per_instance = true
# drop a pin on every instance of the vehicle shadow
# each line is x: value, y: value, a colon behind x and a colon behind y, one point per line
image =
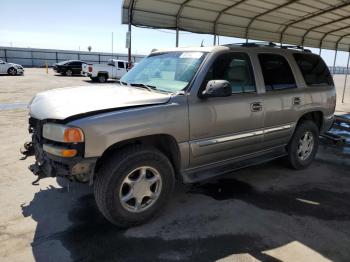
x: 60, y: 75
x: 260, y: 208
x: 97, y: 83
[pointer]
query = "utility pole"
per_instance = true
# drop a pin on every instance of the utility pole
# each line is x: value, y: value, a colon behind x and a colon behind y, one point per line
x: 112, y: 45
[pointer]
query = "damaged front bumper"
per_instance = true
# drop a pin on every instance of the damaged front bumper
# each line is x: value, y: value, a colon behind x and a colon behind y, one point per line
x: 47, y: 165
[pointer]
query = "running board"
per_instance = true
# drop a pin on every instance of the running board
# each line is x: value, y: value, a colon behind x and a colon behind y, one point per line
x: 206, y: 172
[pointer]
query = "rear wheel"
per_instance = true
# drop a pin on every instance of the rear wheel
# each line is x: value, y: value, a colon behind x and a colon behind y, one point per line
x: 303, y: 146
x: 12, y: 71
x: 133, y: 185
x: 102, y: 78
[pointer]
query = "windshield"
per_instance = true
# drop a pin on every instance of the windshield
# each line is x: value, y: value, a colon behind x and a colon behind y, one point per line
x: 170, y: 72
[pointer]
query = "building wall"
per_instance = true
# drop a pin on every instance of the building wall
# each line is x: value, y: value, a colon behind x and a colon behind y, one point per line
x: 33, y: 57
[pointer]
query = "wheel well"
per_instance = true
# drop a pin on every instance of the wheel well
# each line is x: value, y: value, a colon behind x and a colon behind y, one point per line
x: 164, y: 143
x: 315, y: 116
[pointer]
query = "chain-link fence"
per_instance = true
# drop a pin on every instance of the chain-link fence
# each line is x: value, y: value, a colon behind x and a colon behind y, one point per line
x: 31, y: 57
x: 339, y: 70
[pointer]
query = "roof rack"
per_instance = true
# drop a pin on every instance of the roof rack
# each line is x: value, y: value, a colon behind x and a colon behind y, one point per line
x: 253, y: 44
x: 269, y: 44
x: 295, y: 47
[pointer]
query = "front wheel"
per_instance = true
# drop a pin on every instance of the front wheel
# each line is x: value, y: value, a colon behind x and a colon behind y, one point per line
x: 69, y: 72
x: 133, y: 185
x: 303, y: 146
x: 12, y: 71
x: 102, y: 78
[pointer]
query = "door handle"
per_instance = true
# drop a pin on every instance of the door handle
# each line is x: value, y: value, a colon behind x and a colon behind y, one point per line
x: 256, y: 106
x: 296, y: 101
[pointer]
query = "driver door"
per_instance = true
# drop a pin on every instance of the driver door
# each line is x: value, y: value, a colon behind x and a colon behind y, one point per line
x: 223, y: 128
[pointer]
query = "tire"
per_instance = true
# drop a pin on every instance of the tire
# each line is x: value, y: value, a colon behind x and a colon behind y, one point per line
x: 303, y: 145
x: 102, y: 78
x: 69, y: 72
x: 12, y: 71
x: 112, y: 185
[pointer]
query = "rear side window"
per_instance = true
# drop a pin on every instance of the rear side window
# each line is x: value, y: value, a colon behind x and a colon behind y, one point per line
x: 121, y: 65
x: 235, y: 68
x: 75, y: 64
x: 313, y: 69
x: 277, y: 73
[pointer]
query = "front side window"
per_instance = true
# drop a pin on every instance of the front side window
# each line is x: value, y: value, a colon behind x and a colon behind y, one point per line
x: 170, y: 72
x: 313, y: 69
x: 276, y: 71
x: 236, y: 68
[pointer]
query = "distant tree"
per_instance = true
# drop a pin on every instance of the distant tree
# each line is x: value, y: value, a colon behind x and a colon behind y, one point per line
x: 89, y: 48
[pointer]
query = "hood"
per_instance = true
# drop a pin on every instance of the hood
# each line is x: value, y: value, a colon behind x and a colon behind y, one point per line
x: 66, y: 102
x: 12, y: 64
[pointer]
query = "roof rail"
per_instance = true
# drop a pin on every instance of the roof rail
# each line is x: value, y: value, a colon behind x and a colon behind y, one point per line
x: 253, y: 44
x: 269, y: 44
x: 295, y: 47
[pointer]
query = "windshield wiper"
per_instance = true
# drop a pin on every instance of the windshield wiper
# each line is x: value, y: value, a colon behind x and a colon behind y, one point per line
x: 148, y: 87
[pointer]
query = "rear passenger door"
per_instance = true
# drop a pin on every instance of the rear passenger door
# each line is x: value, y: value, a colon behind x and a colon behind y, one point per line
x: 282, y: 100
x: 223, y: 128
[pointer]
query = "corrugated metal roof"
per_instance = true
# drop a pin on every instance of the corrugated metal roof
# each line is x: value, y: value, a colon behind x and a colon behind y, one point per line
x: 312, y: 23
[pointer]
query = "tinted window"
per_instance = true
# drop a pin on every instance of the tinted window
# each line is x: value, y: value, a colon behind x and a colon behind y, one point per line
x: 314, y: 69
x: 277, y: 72
x: 121, y: 65
x: 75, y: 64
x: 235, y: 68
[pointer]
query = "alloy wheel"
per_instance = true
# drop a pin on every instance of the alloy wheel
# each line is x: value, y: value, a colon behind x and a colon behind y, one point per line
x: 140, y: 189
x: 306, y: 145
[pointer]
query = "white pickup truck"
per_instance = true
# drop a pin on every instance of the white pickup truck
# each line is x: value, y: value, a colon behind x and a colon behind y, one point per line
x: 115, y: 69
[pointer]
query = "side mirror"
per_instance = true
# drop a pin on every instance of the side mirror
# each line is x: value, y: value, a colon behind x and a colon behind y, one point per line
x: 217, y: 88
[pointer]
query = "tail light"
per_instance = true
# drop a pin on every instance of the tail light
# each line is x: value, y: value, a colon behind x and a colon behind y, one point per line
x: 90, y: 69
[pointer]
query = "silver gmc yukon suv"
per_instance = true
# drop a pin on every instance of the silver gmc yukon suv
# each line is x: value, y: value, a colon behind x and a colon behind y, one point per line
x: 181, y: 114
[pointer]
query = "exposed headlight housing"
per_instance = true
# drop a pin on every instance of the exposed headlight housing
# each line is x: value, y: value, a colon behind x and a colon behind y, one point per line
x: 62, y: 133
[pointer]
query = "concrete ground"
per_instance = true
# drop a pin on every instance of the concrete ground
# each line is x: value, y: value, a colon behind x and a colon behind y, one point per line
x: 263, y: 213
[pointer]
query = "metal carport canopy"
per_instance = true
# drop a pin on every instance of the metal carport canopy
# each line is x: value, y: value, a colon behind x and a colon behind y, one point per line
x: 319, y: 24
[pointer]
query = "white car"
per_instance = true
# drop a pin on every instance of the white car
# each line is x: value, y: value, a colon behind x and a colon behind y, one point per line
x: 115, y: 69
x: 10, y: 68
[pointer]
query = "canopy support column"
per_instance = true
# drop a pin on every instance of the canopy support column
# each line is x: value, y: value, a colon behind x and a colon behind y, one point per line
x: 214, y: 39
x: 129, y: 32
x: 129, y: 48
x: 346, y: 77
x: 177, y: 37
x: 335, y: 59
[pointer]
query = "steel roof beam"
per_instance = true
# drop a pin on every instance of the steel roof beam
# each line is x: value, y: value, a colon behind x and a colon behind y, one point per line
x: 310, y: 16
x: 265, y: 13
x: 224, y: 11
x: 330, y: 32
x: 322, y: 25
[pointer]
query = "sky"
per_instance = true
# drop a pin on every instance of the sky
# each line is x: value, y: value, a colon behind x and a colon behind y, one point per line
x: 77, y: 24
